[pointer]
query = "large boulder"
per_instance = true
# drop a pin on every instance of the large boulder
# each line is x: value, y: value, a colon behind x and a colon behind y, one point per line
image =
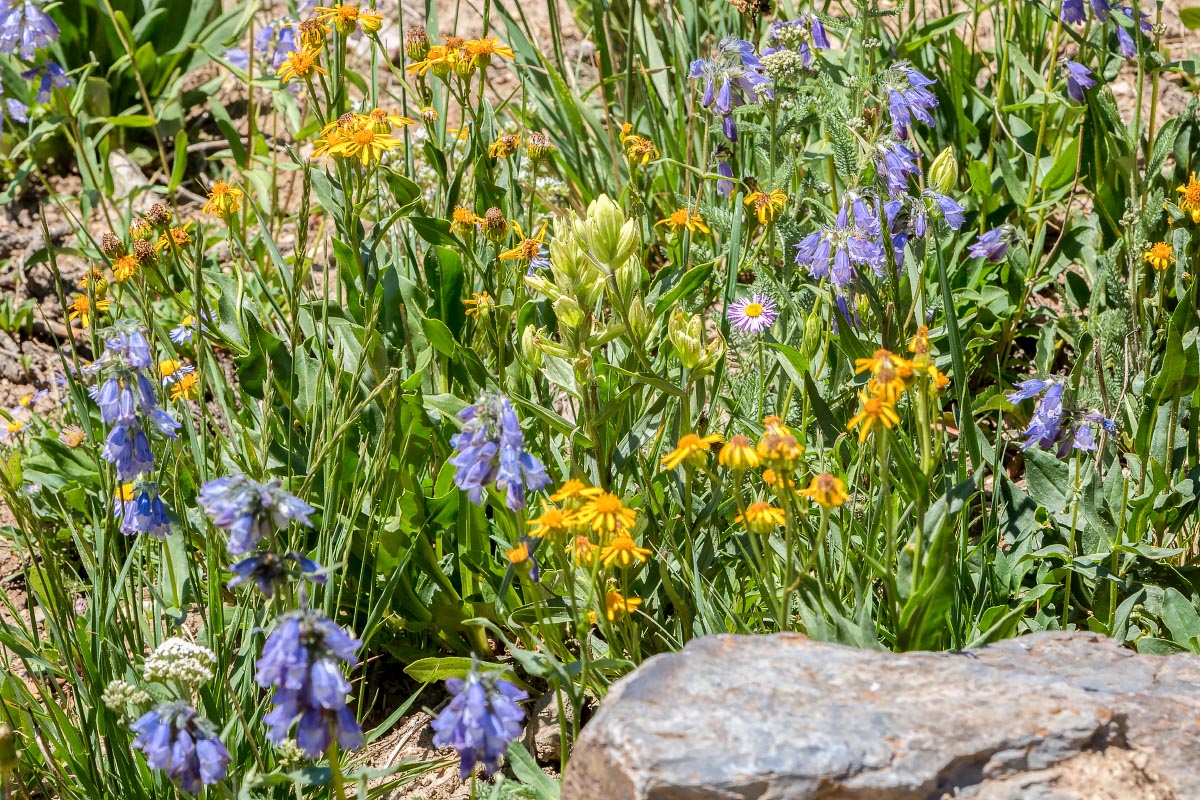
x: 1051, y: 716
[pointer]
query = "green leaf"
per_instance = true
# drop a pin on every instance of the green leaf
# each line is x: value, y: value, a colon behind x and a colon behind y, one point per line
x: 429, y: 670
x: 1190, y: 17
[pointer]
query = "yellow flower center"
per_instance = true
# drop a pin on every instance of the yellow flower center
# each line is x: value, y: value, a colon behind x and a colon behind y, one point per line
x: 347, y: 13
x: 530, y: 248
x: 1161, y: 250
x: 364, y: 138
x: 1191, y: 193
x: 607, y: 504
x: 753, y: 310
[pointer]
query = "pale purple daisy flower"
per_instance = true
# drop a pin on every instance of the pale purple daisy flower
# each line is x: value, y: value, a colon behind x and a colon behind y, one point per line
x: 754, y: 314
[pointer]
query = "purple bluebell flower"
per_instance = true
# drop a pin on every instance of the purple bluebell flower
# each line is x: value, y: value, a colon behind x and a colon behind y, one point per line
x: 1100, y: 8
x: 732, y: 77
x: 753, y: 314
x: 725, y: 185
x: 302, y: 659
x: 1079, y: 79
x: 1027, y: 389
x: 895, y: 163
x: 992, y: 245
x: 491, y: 450
x: 16, y: 109
x: 854, y: 242
x: 176, y: 739
x: 249, y: 510
x: 25, y: 28
x: 1046, y: 425
x: 128, y: 449
x: 909, y: 98
x: 1054, y: 425
x: 238, y: 58
x: 141, y: 510
x: 1072, y: 12
x: 480, y: 721
x: 952, y: 212
x: 187, y: 327
x: 52, y: 77
x: 1125, y: 40
x: 268, y: 571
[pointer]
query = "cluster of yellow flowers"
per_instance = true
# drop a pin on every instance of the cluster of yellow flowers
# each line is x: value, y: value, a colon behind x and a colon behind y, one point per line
x: 311, y: 35
x: 641, y: 151
x: 457, y: 56
x: 891, y: 375
x: 361, y: 137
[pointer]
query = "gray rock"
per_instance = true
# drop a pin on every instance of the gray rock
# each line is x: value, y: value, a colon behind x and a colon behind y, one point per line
x: 543, y: 734
x: 1052, y: 716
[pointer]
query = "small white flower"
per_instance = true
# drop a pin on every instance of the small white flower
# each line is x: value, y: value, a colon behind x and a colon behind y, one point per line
x: 119, y: 694
x: 180, y: 660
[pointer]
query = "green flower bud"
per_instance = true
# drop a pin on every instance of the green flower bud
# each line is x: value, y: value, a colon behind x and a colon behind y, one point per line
x: 943, y: 172
x: 713, y: 353
x: 684, y: 334
x: 543, y: 285
x: 529, y: 347
x: 629, y: 277
x: 8, y: 750
x: 607, y: 234
x: 639, y: 320
x: 813, y: 326
x: 568, y: 312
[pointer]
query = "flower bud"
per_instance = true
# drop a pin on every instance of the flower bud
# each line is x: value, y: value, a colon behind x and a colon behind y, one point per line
x: 943, y: 172
x: 538, y: 146
x: 111, y: 246
x: 140, y: 230
x: 495, y: 226
x: 159, y: 216
x: 713, y: 353
x: 684, y: 333
x: 529, y: 347
x: 629, y: 277
x: 607, y: 234
x: 568, y: 312
x: 639, y: 320
x: 8, y: 749
x: 813, y: 326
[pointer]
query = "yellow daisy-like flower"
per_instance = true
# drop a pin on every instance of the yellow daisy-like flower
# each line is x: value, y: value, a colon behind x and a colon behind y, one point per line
x: 223, y: 200
x: 606, y: 514
x: 766, y: 205
x: 777, y: 482
x: 464, y: 217
x: 779, y: 447
x: 622, y: 549
x: 505, y: 145
x: 186, y: 387
x: 81, y: 309
x: 876, y: 411
x: 919, y: 343
x: 365, y: 144
x: 575, y: 492
x: 480, y: 51
x: 640, y: 150
x: 94, y: 278
x: 346, y: 18
x: 300, y: 64
x: 739, y: 454
x: 383, y: 121
x: 616, y: 604
x: 14, y: 426
x: 552, y: 522
x: 519, y: 554
x: 72, y: 436
x: 178, y: 235
x: 583, y: 551
x: 1190, y: 201
x: 169, y: 367
x: 311, y: 33
x: 1159, y: 256
x: 440, y: 60
x: 762, y: 517
x: 691, y: 450
x: 881, y: 360
x: 479, y: 304
x: 528, y: 248
x: 887, y: 384
x: 125, y: 268
x: 682, y: 218
x: 826, y: 490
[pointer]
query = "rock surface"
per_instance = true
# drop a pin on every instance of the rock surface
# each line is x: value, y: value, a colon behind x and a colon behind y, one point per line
x: 1051, y: 716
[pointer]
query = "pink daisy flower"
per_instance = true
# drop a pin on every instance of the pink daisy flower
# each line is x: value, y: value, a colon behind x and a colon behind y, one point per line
x: 753, y: 315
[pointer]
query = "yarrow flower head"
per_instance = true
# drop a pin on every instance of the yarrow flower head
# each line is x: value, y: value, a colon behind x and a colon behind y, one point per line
x: 732, y: 77
x: 804, y: 34
x: 302, y: 659
x: 176, y: 739
x: 754, y: 314
x: 481, y: 720
x: 25, y: 28
x: 178, y: 660
x: 491, y: 451
x: 249, y: 510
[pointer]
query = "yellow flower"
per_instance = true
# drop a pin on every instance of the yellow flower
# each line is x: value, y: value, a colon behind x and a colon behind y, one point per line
x: 875, y: 411
x: 505, y: 145
x: 779, y: 447
x: 538, y: 146
x: 186, y: 387
x: 95, y: 278
x: 1159, y: 256
x: 606, y: 514
x: 919, y: 343
x: 72, y: 436
x: 624, y: 550
x: 346, y: 18
x: 223, y: 200
x: 826, y: 490
x: 770, y: 478
x: 615, y: 604
x: 691, y: 450
x: 553, y: 521
x: 123, y: 493
x: 739, y: 454
x: 639, y: 149
x: 300, y: 64
x: 125, y: 268
x: 311, y: 33
x: 494, y: 225
x: 383, y: 121
x: 428, y: 113
x: 464, y: 217
x: 439, y: 60
x: 480, y: 51
x: 583, y: 551
x: 519, y: 554
x: 682, y: 218
x: 766, y: 205
x: 1190, y: 202
x: 884, y: 359
x: 887, y: 384
x: 81, y: 309
x: 178, y: 235
x: 15, y: 426
x: 529, y: 247
x: 169, y: 367
x: 365, y: 144
x: 575, y: 492
x: 762, y: 517
x: 479, y: 303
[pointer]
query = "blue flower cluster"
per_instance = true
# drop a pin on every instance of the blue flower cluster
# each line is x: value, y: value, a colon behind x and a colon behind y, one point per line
x: 249, y: 510
x: 1079, y: 79
x: 481, y: 720
x: 175, y: 738
x: 491, y: 450
x: 25, y: 28
x: 268, y: 571
x: 302, y: 660
x: 992, y: 245
x: 804, y: 34
x: 1052, y: 424
x: 909, y: 98
x: 141, y: 510
x: 732, y: 77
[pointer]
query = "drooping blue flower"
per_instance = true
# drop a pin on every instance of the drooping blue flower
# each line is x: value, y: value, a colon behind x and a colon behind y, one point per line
x: 480, y: 721
x: 127, y: 448
x: 992, y: 245
x: 909, y: 98
x: 1079, y: 80
x: 249, y: 510
x: 854, y: 242
x: 732, y: 77
x: 302, y: 659
x: 16, y: 109
x: 895, y: 163
x: 25, y: 28
x: 238, y: 58
x: 176, y: 739
x: 141, y: 510
x: 1125, y: 40
x: 1054, y: 425
x: 952, y: 212
x: 1072, y: 12
x: 1027, y: 390
x: 52, y: 77
x: 725, y: 185
x: 268, y: 571
x: 491, y: 450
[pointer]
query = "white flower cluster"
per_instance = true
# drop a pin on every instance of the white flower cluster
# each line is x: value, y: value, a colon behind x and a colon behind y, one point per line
x: 119, y: 694
x: 180, y: 660
x: 784, y: 67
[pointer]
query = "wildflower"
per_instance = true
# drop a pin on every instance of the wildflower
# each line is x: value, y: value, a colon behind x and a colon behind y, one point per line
x: 1053, y: 423
x: 416, y: 42
x: 345, y: 18
x: 732, y: 77
x: 690, y: 450
x: 171, y: 370
x: 181, y: 661
x: 884, y: 363
x: 725, y: 184
x: 804, y: 34
x: 576, y: 492
x: 145, y: 253
x: 616, y: 604
x: 11, y: 429
x: 992, y: 245
x: 753, y: 315
x: 491, y: 450
x: 738, y: 454
x: 479, y: 304
x: 463, y: 217
x: 522, y: 557
x: 249, y: 510
x: 1189, y: 203
x: 908, y: 98
x: 383, y: 121
x: 481, y: 720
x: 428, y: 113
x: 366, y: 144
x: 895, y: 163
x: 72, y: 436
x: 538, y: 146
x: 268, y: 571
x: 785, y: 68
x: 1079, y: 79
x: 223, y: 200
x: 25, y: 28
x: 158, y: 216
x: 552, y: 522
x: 439, y: 59
x: 606, y: 514
x: 1125, y: 41
x: 876, y: 411
x: 118, y: 694
x: 140, y: 230
x: 95, y: 280
x: 311, y: 33
x: 300, y: 64
x: 111, y: 246
x: 583, y: 551
x: 480, y: 51
x: 83, y: 308
x: 302, y: 659
x: 779, y: 447
x: 141, y: 510
x: 1072, y: 12
x: 623, y: 549
x: 639, y: 149
x: 854, y: 242
x: 176, y: 739
x: 683, y: 218
x: 175, y: 238
x: 766, y: 205
x: 761, y: 517
x: 125, y: 268
x: 530, y: 251
x: 919, y: 343
x: 1159, y: 256
x: 186, y: 388
x: 494, y: 225
x: 826, y: 490
x: 887, y: 384
x: 776, y: 481
x: 187, y: 327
